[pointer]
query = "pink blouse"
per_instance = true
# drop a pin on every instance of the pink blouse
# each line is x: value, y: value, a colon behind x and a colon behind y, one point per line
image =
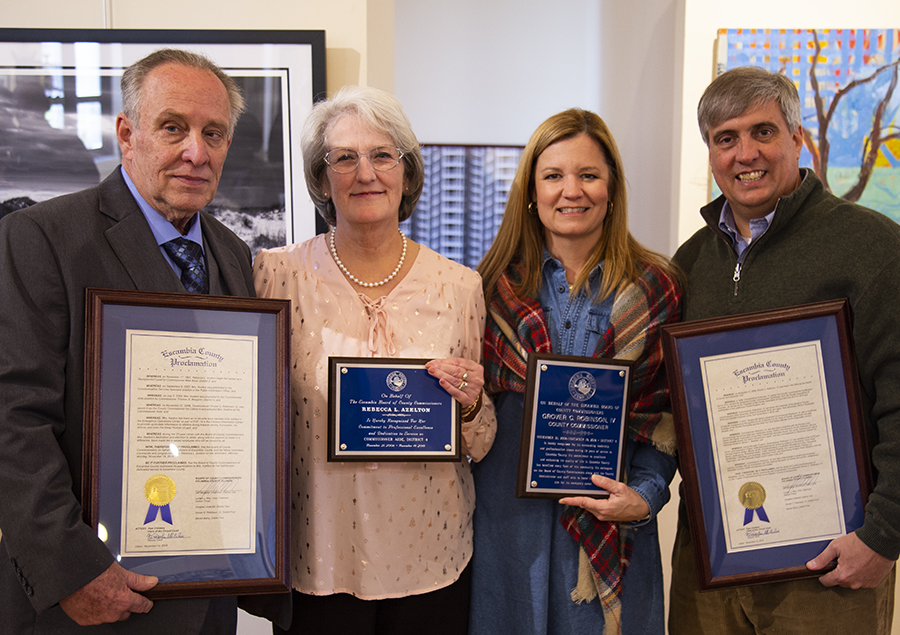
x: 375, y: 530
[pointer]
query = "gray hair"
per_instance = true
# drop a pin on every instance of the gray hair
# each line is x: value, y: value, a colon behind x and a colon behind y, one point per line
x: 734, y: 92
x: 377, y: 110
x: 135, y: 75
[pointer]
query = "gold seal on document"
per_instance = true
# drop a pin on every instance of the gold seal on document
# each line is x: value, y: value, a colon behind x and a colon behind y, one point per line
x: 752, y: 495
x: 159, y: 490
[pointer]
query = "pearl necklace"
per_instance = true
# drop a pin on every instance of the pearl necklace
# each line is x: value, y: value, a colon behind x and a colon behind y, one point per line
x: 341, y: 266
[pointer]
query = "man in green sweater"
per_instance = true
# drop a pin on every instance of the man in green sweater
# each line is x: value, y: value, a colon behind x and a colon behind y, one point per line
x: 774, y: 239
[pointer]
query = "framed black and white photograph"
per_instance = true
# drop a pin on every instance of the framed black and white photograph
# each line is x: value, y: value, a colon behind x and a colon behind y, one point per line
x: 60, y: 95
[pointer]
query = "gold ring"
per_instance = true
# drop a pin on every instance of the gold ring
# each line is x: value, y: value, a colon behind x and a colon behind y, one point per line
x: 465, y: 376
x: 463, y: 384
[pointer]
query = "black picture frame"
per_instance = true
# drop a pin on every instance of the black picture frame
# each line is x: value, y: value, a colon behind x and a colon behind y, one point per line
x: 188, y: 452
x: 60, y: 86
x: 775, y: 475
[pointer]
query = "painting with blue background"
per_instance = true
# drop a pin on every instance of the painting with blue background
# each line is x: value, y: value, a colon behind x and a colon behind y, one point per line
x: 847, y: 80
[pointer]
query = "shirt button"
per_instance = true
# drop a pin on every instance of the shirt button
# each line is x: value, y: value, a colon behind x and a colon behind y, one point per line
x: 568, y: 324
x: 561, y: 289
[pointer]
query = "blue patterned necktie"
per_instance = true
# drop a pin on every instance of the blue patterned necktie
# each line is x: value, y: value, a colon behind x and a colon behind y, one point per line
x: 189, y: 257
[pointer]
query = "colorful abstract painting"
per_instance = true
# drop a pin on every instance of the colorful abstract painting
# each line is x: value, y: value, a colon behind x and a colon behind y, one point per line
x: 847, y: 81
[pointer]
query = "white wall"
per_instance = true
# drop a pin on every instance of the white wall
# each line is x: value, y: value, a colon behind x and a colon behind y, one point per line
x: 640, y: 87
x: 350, y: 44
x: 489, y: 72
x: 480, y: 72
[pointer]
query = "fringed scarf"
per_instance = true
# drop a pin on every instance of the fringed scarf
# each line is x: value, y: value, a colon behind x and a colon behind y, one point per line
x: 516, y: 326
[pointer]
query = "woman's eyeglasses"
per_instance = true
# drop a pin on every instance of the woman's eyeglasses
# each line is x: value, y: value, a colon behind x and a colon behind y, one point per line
x: 346, y: 160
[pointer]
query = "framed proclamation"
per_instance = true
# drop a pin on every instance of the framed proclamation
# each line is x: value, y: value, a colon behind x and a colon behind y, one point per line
x: 573, y: 425
x: 185, y: 472
x: 771, y: 439
x: 390, y: 409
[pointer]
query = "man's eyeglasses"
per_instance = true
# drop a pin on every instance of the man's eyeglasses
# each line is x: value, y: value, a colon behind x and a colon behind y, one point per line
x: 346, y: 160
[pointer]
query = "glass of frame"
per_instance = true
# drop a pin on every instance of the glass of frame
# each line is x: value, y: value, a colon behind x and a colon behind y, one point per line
x: 772, y: 447
x: 573, y: 425
x: 185, y: 472
x: 60, y: 95
x: 389, y: 409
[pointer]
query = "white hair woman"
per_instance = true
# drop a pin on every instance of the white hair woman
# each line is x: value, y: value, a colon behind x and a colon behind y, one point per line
x: 377, y: 547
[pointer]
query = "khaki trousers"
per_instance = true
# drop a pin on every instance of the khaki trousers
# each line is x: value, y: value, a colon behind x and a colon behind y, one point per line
x: 799, y: 607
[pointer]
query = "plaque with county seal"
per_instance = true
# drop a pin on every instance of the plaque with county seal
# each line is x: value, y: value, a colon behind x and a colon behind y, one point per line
x: 573, y: 425
x: 771, y: 445
x: 389, y: 409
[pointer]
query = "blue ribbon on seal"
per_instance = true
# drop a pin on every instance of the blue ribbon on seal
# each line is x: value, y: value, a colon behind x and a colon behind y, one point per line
x: 166, y: 513
x: 748, y: 514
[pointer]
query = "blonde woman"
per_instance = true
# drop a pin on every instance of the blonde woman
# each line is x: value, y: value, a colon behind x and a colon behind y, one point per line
x: 564, y: 275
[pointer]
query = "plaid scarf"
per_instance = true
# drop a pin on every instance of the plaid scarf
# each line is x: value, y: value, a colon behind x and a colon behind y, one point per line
x: 516, y: 326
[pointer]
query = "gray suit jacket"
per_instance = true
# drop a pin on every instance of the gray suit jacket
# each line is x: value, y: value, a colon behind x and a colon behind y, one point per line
x: 49, y: 254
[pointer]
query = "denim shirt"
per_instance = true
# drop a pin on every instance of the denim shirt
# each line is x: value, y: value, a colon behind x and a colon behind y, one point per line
x: 576, y: 324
